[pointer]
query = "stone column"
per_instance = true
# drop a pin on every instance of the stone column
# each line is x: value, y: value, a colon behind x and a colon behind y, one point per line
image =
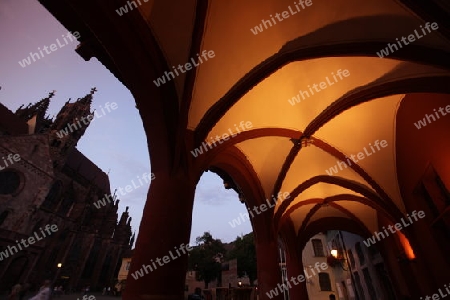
x: 269, y: 273
x: 294, y: 269
x: 164, y: 229
x: 302, y: 289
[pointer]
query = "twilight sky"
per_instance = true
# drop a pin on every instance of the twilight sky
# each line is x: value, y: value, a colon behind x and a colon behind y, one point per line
x: 115, y: 142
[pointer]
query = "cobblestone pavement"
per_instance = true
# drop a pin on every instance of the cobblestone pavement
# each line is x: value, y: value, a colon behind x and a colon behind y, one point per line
x: 98, y: 296
x: 80, y: 297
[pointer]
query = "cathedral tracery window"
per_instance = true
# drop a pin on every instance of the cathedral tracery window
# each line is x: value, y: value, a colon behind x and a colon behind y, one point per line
x: 93, y: 257
x: 9, y: 182
x: 3, y: 217
x: 67, y: 202
x: 51, y: 200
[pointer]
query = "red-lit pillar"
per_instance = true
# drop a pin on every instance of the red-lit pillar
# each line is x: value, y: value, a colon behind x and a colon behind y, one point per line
x: 294, y: 270
x: 269, y: 273
x: 164, y: 229
x: 267, y: 257
x: 294, y: 262
x: 408, y: 274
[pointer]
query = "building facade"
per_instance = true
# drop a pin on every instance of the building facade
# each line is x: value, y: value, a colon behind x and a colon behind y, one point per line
x: 45, y: 181
x: 319, y: 285
x: 230, y: 279
x: 125, y: 266
x: 361, y: 272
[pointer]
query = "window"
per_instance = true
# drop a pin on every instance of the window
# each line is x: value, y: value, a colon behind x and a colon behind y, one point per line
x: 360, y: 254
x: 67, y: 201
x: 443, y: 189
x: 385, y: 282
x: 51, y: 201
x: 351, y: 258
x: 105, y: 268
x: 359, y: 286
x: 318, y: 248
x: 324, y: 282
x: 225, y: 266
x: 3, y: 216
x: 373, y: 251
x: 9, y: 182
x: 429, y: 200
x: 432, y: 190
x: 369, y: 284
x: 342, y: 290
x: 93, y: 257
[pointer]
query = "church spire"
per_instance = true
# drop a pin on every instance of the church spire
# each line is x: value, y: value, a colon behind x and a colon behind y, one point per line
x: 122, y: 233
x: 71, y: 113
x: 87, y: 100
x: 133, y: 237
x: 39, y: 109
x: 70, y: 125
x: 35, y: 116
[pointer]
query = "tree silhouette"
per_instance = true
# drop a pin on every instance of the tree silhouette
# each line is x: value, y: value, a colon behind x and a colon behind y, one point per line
x: 245, y: 252
x: 206, y: 258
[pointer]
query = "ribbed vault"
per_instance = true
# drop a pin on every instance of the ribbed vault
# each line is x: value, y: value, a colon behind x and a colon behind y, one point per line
x: 298, y: 135
x: 321, y: 103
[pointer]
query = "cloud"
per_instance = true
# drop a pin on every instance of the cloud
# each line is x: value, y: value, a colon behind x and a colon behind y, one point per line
x: 129, y: 167
x: 211, y: 191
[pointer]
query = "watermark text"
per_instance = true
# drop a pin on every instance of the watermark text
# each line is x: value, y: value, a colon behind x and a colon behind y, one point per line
x: 360, y: 155
x: 258, y: 209
x: 220, y: 139
x: 411, y: 38
x: 423, y: 122
x: 53, y: 47
x: 165, y: 260
x: 86, y: 120
x: 379, y: 235
x: 9, y: 160
x: 11, y: 250
x: 281, y: 16
x: 319, y: 87
x: 296, y: 280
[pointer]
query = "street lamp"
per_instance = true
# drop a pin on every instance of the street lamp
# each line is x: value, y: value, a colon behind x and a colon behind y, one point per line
x: 341, y: 260
x: 59, y: 266
x: 336, y: 259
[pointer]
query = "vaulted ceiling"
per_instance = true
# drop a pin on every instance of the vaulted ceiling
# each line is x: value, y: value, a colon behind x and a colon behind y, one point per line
x: 295, y: 142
